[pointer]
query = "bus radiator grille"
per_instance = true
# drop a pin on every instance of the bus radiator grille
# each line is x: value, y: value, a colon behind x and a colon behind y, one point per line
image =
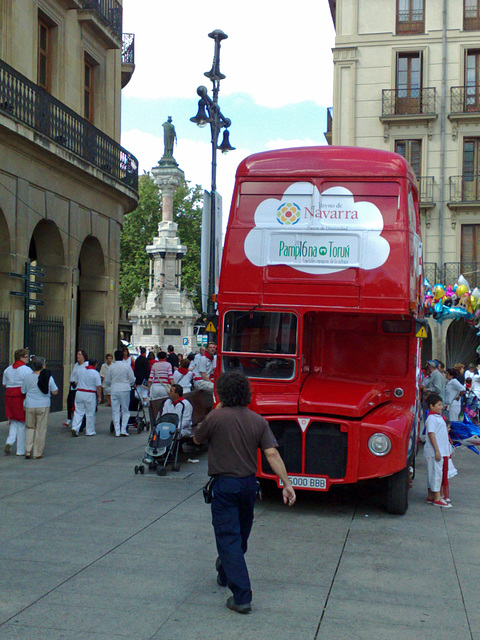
x: 326, y: 448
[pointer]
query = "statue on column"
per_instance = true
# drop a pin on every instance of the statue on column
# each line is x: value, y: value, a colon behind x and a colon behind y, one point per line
x: 169, y: 139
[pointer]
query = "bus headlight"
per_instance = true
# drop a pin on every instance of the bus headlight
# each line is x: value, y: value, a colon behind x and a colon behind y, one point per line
x: 379, y: 444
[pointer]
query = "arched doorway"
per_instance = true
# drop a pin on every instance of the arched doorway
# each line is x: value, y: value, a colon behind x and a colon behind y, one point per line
x: 91, y: 299
x: 46, y: 321
x: 461, y: 342
x: 5, y: 267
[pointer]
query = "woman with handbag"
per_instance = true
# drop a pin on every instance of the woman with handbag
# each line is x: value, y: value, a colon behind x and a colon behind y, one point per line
x: 161, y: 378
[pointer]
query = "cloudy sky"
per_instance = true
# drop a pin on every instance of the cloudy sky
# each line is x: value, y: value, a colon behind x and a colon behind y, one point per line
x: 279, y: 73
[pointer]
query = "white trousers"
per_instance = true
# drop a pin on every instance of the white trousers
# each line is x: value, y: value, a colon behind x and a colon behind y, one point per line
x: 85, y: 405
x: 454, y: 411
x: 17, y: 432
x: 143, y: 393
x: 120, y: 404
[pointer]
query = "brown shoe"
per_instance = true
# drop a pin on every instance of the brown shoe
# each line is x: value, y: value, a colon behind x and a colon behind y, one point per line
x: 28, y: 455
x: 8, y: 448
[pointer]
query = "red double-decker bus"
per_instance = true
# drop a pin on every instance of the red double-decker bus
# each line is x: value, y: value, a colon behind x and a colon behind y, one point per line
x: 320, y: 298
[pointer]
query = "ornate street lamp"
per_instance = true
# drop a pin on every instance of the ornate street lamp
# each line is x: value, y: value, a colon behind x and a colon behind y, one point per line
x: 209, y: 113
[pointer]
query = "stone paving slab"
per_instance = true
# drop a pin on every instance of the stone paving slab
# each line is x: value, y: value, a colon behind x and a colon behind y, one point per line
x: 91, y: 550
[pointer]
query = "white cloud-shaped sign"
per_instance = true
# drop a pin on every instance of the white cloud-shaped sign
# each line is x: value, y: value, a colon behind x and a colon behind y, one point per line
x: 317, y: 233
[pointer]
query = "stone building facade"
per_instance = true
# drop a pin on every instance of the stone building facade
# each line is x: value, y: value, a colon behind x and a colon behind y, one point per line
x: 65, y: 181
x: 407, y: 79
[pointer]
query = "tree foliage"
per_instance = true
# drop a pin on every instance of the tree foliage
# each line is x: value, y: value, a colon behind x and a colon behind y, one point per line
x: 141, y: 226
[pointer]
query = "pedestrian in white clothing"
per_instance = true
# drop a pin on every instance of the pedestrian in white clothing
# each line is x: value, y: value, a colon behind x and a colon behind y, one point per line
x: 120, y: 379
x: 82, y: 362
x: 176, y: 403
x: 454, y: 390
x: 89, y: 394
x: 13, y: 377
x: 204, y: 370
x: 183, y: 376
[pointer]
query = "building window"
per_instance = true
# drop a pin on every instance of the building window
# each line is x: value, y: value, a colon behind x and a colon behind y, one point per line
x: 172, y: 332
x: 89, y: 90
x: 471, y: 169
x: 410, y: 16
x: 470, y: 243
x: 409, y: 82
x: 44, y: 55
x: 411, y: 150
x: 147, y: 331
x: 472, y: 80
x: 471, y: 15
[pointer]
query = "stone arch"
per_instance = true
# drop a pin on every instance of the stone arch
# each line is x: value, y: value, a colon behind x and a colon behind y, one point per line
x: 91, y: 298
x: 461, y: 343
x: 5, y: 263
x: 46, y: 250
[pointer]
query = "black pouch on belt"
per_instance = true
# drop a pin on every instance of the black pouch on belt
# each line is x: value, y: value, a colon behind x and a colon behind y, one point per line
x: 207, y: 491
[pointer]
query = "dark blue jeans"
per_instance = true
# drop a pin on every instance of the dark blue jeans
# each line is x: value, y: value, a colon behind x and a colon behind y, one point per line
x: 233, y: 500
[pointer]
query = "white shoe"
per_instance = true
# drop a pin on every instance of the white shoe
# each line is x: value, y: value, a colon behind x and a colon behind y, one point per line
x: 124, y: 433
x: 117, y: 434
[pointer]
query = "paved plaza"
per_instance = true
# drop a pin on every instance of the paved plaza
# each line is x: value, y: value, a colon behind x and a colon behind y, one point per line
x: 91, y: 551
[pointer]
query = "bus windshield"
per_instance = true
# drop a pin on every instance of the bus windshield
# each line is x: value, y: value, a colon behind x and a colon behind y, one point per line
x: 258, y: 332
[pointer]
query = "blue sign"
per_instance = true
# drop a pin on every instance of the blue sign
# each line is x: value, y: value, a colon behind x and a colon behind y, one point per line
x: 185, y: 342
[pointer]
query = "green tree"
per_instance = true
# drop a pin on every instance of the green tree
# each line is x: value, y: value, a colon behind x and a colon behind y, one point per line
x: 141, y: 226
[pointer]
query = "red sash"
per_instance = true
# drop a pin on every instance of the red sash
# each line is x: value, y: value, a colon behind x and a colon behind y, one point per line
x: 14, y: 404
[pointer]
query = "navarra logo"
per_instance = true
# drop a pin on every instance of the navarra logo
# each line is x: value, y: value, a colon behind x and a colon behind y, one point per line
x: 288, y: 213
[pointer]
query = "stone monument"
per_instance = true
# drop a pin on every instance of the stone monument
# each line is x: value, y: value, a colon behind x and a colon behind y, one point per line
x: 165, y: 315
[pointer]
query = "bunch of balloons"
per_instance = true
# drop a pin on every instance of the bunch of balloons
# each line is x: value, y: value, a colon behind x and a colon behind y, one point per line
x: 453, y: 302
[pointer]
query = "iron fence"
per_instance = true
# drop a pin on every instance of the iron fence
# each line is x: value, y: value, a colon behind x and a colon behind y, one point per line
x: 408, y: 101
x: 425, y: 188
x: 47, y: 341
x: 465, y: 99
x: 128, y: 48
x: 470, y: 270
x: 4, y: 358
x: 31, y: 105
x: 431, y: 272
x: 110, y: 11
x: 91, y: 338
x: 464, y: 189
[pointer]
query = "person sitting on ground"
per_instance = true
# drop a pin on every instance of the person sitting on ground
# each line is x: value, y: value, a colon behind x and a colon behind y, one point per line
x: 37, y: 387
x: 183, y: 376
x: 176, y: 403
x: 436, y: 451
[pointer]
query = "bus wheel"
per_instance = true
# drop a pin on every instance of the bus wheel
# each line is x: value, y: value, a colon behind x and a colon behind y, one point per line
x: 397, y: 492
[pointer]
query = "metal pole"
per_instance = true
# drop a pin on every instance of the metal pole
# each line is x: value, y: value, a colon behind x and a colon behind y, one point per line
x: 26, y: 326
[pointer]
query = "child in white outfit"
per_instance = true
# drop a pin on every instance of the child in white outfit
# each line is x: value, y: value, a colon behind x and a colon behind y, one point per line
x: 436, y: 450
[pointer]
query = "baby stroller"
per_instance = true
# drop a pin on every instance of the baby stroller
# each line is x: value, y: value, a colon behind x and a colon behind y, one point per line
x: 163, y: 445
x: 138, y: 419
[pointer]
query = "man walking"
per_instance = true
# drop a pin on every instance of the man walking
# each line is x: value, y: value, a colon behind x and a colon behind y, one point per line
x: 13, y: 378
x: 142, y: 373
x: 234, y: 435
x: 89, y: 394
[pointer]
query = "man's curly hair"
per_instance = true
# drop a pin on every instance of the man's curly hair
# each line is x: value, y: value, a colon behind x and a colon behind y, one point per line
x: 233, y: 389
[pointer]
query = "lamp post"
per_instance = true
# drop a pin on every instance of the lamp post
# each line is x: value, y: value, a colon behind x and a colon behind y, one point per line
x: 209, y: 113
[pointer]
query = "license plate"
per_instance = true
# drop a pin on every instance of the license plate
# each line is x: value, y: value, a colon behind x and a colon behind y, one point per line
x: 306, y: 482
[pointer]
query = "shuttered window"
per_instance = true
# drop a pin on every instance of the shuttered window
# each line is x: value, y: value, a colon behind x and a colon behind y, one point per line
x: 470, y: 243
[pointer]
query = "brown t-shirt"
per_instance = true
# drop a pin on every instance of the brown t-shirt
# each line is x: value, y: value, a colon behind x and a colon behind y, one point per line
x: 234, y: 434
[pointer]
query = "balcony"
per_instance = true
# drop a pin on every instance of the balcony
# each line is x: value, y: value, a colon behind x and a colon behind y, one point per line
x: 328, y: 132
x: 26, y: 103
x: 464, y: 106
x: 453, y: 270
x: 464, y: 192
x: 105, y: 18
x: 431, y: 272
x: 410, y: 22
x: 128, y: 57
x: 425, y: 192
x: 405, y: 107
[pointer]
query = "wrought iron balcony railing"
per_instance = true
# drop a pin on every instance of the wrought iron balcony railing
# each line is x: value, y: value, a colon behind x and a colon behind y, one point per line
x: 464, y: 189
x: 128, y: 48
x: 404, y: 102
x: 28, y: 103
x: 465, y: 99
x: 410, y: 21
x: 453, y: 270
x: 425, y: 189
x: 110, y: 11
x: 431, y: 272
